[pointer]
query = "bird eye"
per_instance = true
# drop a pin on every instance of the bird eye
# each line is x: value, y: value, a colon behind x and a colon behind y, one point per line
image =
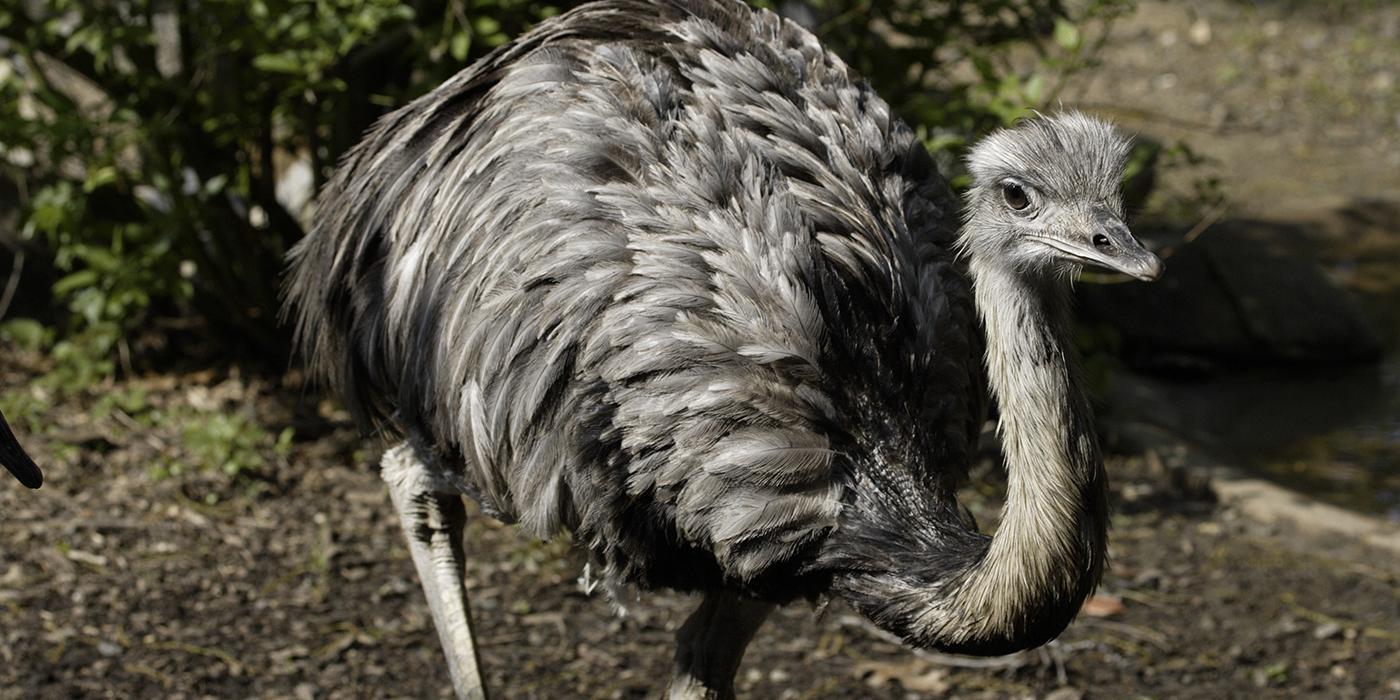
x: 1015, y: 196
x: 1101, y: 242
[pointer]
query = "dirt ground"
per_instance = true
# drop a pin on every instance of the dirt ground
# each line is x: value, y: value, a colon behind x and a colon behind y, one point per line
x: 1295, y: 105
x: 123, y: 579
x: 280, y: 570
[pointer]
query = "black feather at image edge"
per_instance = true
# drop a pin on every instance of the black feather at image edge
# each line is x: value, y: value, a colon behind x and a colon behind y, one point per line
x: 16, y: 459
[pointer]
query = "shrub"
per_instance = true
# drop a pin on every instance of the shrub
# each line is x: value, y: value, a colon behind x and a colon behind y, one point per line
x: 149, y: 138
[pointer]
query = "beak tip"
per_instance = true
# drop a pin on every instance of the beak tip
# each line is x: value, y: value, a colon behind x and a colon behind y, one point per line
x: 1152, y: 270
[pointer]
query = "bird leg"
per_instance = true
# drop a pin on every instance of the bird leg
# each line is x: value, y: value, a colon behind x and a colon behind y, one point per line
x: 433, y: 519
x: 711, y: 643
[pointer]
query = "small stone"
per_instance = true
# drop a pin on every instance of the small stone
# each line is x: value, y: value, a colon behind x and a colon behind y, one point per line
x: 1383, y: 82
x: 1167, y: 38
x: 108, y: 649
x: 1148, y: 578
x: 1199, y: 33
x: 305, y: 691
x: 1273, y: 28
x: 1065, y: 694
x: 1286, y: 626
x: 1327, y: 630
x: 778, y: 675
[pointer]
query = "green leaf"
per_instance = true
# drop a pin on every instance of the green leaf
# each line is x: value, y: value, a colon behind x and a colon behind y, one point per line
x: 1066, y: 34
x: 75, y: 281
x: 1034, y: 88
x: 28, y: 334
x: 487, y: 26
x: 88, y: 303
x: 100, y: 259
x: 944, y: 142
x: 461, y: 45
x: 285, y: 62
x: 96, y: 179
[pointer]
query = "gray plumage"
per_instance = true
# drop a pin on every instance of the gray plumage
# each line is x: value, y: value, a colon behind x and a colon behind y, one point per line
x: 668, y: 276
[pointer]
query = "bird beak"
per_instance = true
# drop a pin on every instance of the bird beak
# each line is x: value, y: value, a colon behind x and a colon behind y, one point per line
x: 16, y: 460
x: 1123, y: 253
x: 1107, y: 243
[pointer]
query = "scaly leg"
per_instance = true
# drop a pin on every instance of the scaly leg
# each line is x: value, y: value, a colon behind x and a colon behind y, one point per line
x: 711, y: 643
x: 433, y: 519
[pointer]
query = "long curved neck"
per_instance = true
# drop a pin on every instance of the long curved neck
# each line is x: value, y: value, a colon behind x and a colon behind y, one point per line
x: 1048, y: 551
x: 938, y: 584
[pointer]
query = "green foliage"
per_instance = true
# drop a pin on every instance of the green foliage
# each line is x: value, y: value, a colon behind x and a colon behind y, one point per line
x: 229, y: 443
x: 960, y: 68
x: 149, y: 137
x: 27, y: 407
x: 27, y: 333
x: 83, y: 358
x: 217, y: 453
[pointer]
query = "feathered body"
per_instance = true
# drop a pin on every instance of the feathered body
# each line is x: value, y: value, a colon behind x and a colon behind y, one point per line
x: 667, y: 275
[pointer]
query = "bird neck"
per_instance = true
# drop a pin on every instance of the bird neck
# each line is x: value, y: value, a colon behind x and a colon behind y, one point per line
x: 1048, y: 551
x: 921, y: 572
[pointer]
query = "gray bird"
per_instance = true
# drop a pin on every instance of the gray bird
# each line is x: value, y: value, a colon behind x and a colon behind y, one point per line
x: 668, y: 276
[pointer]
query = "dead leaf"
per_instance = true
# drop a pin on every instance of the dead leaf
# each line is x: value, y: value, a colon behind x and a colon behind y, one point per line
x: 913, y: 675
x: 1103, y: 606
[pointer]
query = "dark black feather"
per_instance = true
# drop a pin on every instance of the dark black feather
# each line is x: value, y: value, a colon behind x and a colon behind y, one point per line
x: 16, y: 459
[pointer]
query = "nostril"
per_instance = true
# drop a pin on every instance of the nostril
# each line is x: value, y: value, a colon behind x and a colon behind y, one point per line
x: 1101, y: 242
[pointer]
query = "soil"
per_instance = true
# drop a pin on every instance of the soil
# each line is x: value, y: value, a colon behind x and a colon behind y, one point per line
x: 181, y: 549
x: 122, y: 579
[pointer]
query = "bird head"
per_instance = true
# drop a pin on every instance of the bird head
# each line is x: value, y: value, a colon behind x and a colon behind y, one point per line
x: 1045, y: 197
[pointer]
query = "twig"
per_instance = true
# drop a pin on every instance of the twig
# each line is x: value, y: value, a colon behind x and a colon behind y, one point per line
x: 1206, y: 222
x: 144, y: 670
x: 13, y: 283
x: 124, y: 355
x: 1017, y: 660
x: 1148, y: 599
x: 235, y: 667
x: 1323, y: 618
x: 1142, y: 634
x: 150, y: 438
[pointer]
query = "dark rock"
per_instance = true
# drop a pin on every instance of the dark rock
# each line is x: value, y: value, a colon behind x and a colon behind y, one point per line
x: 1227, y: 299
